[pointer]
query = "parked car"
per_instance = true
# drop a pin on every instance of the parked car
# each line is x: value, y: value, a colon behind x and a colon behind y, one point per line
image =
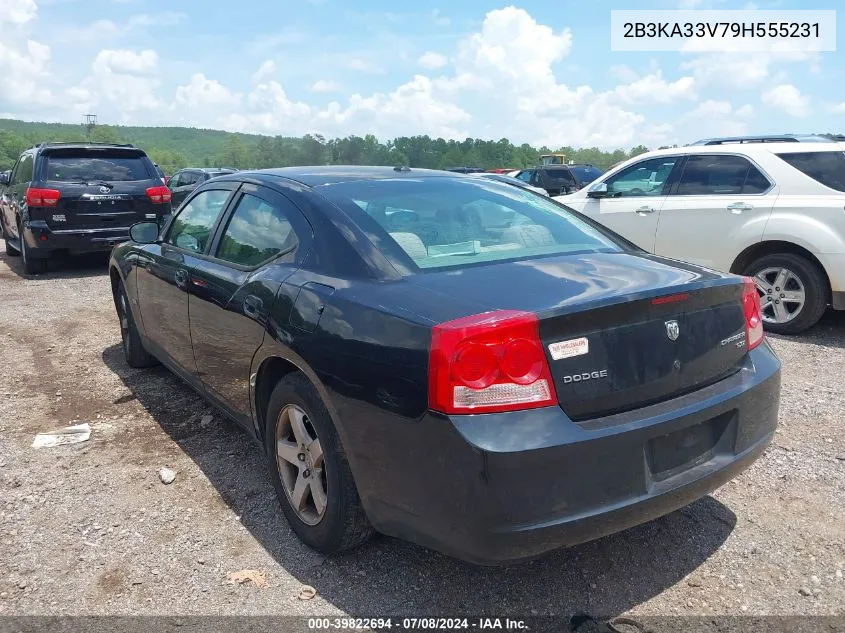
x: 77, y: 198
x: 184, y: 181
x: 559, y: 179
x: 513, y: 182
x: 447, y: 359
x: 466, y: 170
x: 773, y: 211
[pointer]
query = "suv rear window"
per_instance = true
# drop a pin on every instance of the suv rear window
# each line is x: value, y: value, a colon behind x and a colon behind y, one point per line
x: 828, y: 168
x: 449, y: 223
x: 87, y: 165
x: 586, y: 174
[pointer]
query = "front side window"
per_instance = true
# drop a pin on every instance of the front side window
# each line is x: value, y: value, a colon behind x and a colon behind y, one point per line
x: 450, y: 223
x: 192, y: 228
x: 86, y: 165
x: 828, y: 168
x: 715, y: 175
x: 258, y: 231
x: 175, y: 180
x: 645, y: 178
x: 23, y: 172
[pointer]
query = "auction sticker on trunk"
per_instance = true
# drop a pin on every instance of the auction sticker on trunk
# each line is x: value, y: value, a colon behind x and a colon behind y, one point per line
x: 567, y: 349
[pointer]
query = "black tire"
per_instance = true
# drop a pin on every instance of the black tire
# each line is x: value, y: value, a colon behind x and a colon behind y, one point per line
x: 31, y: 266
x: 344, y: 524
x: 134, y: 352
x: 815, y: 284
x: 11, y: 251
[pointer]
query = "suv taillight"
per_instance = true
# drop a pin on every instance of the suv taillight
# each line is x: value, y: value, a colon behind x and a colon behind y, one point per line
x: 42, y: 197
x: 158, y: 195
x: 753, y: 318
x: 488, y: 363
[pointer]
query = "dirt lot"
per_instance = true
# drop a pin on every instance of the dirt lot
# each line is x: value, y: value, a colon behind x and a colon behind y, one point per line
x: 90, y: 528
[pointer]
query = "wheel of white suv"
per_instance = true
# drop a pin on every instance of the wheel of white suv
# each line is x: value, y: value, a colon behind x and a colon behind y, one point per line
x: 793, y: 292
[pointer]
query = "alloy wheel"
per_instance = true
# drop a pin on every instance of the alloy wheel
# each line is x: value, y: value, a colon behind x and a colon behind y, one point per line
x: 782, y: 294
x: 299, y: 458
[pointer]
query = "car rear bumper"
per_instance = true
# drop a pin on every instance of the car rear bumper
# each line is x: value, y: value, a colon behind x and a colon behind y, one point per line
x: 501, y: 488
x: 41, y: 240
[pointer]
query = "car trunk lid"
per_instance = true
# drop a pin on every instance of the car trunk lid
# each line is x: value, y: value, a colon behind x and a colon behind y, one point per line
x: 620, y: 331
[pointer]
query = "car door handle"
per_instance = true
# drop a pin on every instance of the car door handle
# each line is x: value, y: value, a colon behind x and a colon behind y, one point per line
x: 645, y: 210
x: 252, y: 305
x: 182, y: 279
x: 739, y: 207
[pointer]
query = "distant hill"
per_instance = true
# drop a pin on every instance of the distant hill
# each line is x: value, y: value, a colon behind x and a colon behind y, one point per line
x: 176, y: 147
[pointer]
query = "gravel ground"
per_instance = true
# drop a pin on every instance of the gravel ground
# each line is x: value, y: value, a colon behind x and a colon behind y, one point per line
x: 91, y: 529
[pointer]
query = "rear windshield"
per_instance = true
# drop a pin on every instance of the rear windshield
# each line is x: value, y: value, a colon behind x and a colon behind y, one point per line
x: 828, y: 168
x: 92, y: 165
x: 452, y: 223
x: 586, y: 174
x: 560, y: 175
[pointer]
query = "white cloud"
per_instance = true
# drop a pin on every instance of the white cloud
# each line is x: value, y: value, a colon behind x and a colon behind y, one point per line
x: 787, y: 98
x: 125, y: 61
x: 362, y: 66
x: 18, y: 12
x: 325, y: 85
x: 202, y: 92
x: 161, y: 18
x: 838, y: 108
x: 412, y: 106
x: 439, y: 18
x: 265, y: 71
x: 738, y: 70
x: 654, y: 89
x: 432, y: 60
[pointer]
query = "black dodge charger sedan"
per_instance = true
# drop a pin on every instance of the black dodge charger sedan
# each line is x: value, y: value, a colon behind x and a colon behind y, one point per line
x: 449, y: 360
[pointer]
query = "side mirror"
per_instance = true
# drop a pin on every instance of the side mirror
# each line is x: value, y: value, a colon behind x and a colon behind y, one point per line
x: 144, y: 232
x: 598, y: 190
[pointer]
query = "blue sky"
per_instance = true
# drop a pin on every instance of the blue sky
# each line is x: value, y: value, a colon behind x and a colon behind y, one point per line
x: 539, y: 72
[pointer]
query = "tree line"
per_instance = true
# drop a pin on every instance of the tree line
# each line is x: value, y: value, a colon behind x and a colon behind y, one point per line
x: 174, y: 148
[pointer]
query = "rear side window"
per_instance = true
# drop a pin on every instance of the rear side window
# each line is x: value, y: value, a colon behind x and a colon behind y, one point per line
x: 449, y: 223
x: 257, y: 231
x: 192, y: 228
x: 828, y: 168
x: 709, y: 175
x: 560, y: 176
x: 91, y: 165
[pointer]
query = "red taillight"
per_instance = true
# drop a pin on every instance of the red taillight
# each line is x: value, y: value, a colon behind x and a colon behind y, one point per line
x: 158, y: 195
x: 42, y: 197
x: 753, y: 318
x: 488, y: 363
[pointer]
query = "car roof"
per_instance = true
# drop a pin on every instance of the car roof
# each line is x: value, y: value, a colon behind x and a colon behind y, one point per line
x: 332, y: 174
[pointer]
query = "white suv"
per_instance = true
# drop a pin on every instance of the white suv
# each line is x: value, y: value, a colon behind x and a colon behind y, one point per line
x: 773, y: 211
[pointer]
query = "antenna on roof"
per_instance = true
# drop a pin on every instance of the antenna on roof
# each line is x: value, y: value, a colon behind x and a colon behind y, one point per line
x: 401, y: 168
